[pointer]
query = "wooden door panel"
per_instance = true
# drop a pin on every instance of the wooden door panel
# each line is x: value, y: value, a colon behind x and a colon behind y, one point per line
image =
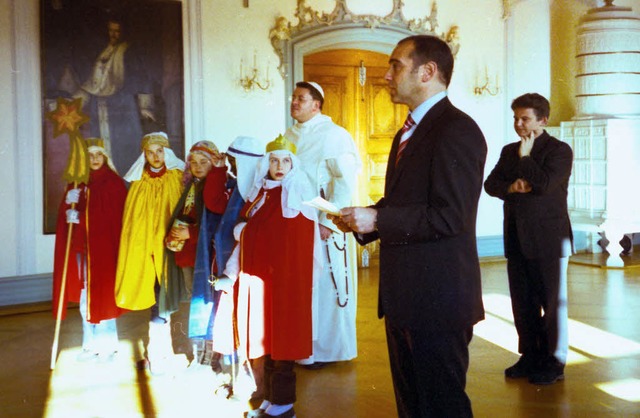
x: 365, y: 111
x: 337, y: 83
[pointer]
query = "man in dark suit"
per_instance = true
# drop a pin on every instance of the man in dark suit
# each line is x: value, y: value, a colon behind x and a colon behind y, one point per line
x: 430, y: 290
x: 532, y: 177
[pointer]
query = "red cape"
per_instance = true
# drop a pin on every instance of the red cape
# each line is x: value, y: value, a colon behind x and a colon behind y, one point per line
x: 279, y: 250
x: 98, y: 237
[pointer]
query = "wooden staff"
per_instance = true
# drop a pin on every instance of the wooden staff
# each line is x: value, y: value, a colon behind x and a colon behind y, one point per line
x: 67, y: 118
x: 61, y: 297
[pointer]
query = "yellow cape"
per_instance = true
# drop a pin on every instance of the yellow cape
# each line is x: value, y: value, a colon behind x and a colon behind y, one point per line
x: 147, y: 213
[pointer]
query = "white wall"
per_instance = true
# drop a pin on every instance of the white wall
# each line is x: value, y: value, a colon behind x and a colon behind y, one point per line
x: 219, y: 110
x: 8, y: 183
x: 25, y: 249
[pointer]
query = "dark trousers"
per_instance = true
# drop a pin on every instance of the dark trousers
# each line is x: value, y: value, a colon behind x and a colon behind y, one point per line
x: 534, y: 287
x: 429, y: 371
x: 279, y: 382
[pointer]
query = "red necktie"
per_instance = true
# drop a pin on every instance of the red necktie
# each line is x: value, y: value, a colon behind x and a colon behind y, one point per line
x: 408, y: 124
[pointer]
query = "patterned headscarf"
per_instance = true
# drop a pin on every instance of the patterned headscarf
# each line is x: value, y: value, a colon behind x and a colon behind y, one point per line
x: 205, y: 148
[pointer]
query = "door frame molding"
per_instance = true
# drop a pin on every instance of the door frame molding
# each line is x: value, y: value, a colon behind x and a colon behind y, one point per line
x: 343, y: 29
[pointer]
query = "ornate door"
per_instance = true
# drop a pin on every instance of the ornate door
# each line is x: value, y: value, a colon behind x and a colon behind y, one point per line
x: 357, y: 98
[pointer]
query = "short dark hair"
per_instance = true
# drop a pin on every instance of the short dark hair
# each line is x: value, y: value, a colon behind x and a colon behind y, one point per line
x: 315, y: 94
x: 535, y: 101
x: 428, y: 48
x: 118, y: 19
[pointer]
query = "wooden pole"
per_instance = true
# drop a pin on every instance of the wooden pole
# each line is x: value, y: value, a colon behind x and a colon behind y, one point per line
x: 61, y: 297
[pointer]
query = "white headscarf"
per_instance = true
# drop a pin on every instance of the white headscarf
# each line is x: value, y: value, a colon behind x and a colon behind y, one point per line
x: 170, y: 160
x: 247, y: 151
x: 296, y: 187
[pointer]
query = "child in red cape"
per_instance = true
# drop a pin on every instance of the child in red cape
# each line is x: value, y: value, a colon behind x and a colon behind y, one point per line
x: 274, y: 263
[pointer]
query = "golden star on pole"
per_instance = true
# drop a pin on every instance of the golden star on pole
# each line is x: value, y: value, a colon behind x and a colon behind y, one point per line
x: 67, y: 117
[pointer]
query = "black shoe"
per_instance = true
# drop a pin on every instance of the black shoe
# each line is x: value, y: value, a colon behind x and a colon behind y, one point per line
x: 551, y: 371
x: 524, y: 367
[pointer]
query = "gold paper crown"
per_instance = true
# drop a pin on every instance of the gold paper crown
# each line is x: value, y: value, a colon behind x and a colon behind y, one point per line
x: 281, y: 143
x: 94, y: 142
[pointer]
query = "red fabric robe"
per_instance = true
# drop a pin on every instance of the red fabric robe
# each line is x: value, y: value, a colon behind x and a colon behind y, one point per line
x: 279, y: 251
x: 97, y: 237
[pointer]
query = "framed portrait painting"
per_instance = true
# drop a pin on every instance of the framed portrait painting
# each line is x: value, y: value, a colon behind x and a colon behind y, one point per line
x: 124, y: 60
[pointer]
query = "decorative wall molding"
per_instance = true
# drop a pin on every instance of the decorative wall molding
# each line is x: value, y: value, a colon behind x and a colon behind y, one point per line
x: 312, y: 23
x: 343, y: 29
x: 506, y: 9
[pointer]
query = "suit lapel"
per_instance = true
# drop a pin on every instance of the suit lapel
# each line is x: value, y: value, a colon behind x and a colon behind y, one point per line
x: 419, y: 136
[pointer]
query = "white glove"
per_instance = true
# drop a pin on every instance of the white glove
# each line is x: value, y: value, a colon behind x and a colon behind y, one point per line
x: 223, y: 284
x: 72, y: 216
x: 237, y: 230
x: 73, y: 196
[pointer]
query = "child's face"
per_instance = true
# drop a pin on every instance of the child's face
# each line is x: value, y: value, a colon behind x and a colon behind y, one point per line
x: 96, y: 160
x: 199, y: 165
x: 154, y: 154
x: 279, y: 166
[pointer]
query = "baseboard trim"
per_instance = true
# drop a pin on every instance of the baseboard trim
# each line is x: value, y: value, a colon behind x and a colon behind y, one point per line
x: 490, y: 247
x: 19, y: 290
x: 37, y: 288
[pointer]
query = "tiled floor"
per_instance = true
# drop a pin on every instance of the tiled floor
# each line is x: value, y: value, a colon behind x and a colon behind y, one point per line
x: 602, y: 377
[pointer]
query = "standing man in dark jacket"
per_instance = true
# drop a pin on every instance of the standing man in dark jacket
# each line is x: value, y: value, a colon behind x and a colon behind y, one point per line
x: 532, y: 176
x: 430, y: 291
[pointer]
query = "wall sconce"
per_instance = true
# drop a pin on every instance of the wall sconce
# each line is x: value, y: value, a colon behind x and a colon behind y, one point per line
x: 250, y: 81
x: 486, y: 88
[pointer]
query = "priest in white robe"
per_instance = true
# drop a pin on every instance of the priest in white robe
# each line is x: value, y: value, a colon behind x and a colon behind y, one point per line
x: 329, y: 156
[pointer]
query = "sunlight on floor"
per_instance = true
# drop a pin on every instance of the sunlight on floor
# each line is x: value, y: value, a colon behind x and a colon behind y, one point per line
x: 498, y: 328
x: 599, y: 343
x: 117, y: 389
x: 627, y: 389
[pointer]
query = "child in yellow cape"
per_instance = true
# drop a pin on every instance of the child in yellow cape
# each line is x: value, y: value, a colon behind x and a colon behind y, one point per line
x: 146, y: 277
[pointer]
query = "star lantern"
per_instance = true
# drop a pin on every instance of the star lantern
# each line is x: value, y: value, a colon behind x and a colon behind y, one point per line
x: 67, y: 118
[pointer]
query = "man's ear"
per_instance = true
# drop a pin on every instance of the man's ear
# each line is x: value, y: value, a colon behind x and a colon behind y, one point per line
x: 428, y: 71
x: 544, y: 120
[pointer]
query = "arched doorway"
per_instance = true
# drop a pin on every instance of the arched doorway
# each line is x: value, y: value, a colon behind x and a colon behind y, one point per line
x: 332, y: 49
